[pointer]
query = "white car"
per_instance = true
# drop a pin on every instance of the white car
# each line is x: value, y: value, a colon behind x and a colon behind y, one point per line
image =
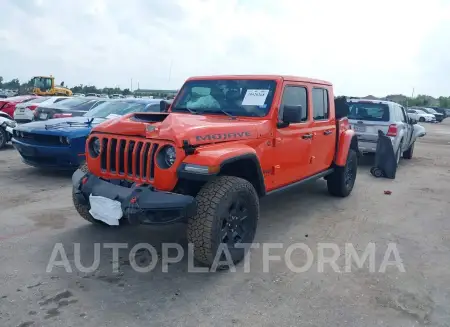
x: 422, y: 116
x: 24, y: 112
x: 6, y: 128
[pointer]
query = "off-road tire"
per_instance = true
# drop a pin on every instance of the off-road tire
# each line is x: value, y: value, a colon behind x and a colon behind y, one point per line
x: 337, y: 182
x: 408, y: 154
x: 204, y: 228
x: 83, y: 209
x: 3, y: 138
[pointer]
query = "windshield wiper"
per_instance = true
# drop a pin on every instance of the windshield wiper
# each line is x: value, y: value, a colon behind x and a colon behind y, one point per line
x: 218, y: 111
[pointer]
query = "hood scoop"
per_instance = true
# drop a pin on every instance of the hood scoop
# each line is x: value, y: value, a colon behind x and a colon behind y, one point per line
x: 149, y: 117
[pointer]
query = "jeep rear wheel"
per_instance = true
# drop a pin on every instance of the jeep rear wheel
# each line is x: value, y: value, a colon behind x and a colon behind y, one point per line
x: 341, y: 181
x: 226, y: 219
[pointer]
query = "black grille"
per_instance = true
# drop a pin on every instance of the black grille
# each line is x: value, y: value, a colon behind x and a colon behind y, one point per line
x: 37, y: 138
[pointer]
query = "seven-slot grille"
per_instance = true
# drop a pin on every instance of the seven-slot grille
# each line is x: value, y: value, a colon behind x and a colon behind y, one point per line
x: 129, y: 158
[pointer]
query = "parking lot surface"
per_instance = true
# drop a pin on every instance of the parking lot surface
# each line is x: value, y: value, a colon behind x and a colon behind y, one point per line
x: 36, y: 213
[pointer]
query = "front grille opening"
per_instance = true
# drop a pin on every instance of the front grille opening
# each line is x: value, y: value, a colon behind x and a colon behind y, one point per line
x: 104, y: 157
x: 121, y: 163
x: 131, y: 146
x: 113, y: 151
x: 152, y: 163
x: 137, y: 159
x: 145, y: 153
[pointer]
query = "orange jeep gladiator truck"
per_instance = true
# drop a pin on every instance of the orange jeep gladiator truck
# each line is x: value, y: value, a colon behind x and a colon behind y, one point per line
x: 207, y: 159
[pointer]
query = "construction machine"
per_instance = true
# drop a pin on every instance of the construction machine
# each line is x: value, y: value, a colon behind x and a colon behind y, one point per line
x: 45, y: 85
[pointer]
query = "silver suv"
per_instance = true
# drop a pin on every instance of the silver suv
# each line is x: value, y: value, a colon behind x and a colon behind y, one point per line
x: 366, y: 117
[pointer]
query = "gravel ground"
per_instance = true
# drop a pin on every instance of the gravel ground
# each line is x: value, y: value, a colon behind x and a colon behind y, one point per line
x: 36, y: 212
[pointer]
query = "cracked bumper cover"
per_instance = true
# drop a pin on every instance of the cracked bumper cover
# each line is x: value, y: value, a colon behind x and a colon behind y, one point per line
x: 141, y: 204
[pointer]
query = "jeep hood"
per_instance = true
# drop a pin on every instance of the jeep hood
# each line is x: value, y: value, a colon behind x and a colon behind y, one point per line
x: 177, y: 127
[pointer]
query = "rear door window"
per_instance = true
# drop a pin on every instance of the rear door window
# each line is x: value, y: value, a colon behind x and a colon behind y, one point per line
x: 369, y: 111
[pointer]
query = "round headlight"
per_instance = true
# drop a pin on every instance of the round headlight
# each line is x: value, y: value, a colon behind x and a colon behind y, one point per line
x: 95, y: 147
x: 166, y: 157
x: 170, y: 156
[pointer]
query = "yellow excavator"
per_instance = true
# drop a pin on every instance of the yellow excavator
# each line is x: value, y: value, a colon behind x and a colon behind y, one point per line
x: 45, y: 85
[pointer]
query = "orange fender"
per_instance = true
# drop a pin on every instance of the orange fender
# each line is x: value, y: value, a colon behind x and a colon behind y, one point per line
x: 347, y: 140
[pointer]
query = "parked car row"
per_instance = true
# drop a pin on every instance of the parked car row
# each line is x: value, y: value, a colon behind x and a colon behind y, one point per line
x: 423, y: 114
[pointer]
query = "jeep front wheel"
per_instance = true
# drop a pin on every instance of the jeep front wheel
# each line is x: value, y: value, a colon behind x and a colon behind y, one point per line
x: 341, y: 181
x: 226, y: 219
x: 83, y: 209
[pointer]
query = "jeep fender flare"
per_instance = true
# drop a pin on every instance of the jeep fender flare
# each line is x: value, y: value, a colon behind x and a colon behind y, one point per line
x: 347, y: 140
x: 223, y: 159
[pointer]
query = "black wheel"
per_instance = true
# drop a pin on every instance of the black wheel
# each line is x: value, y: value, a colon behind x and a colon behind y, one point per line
x: 421, y: 119
x: 341, y: 181
x: 3, y: 137
x: 227, y: 215
x: 377, y: 172
x: 408, y: 154
x: 82, y: 208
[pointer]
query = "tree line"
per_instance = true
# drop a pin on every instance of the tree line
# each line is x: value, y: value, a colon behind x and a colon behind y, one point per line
x: 419, y: 100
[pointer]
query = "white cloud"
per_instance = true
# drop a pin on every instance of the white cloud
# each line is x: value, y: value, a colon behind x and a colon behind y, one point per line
x: 362, y: 47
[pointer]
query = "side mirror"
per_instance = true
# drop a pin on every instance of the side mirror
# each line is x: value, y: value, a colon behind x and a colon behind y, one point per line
x: 413, y: 121
x: 291, y: 115
x: 164, y: 106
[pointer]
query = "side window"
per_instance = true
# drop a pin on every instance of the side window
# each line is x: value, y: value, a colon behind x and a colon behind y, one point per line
x: 294, y: 96
x: 321, y: 106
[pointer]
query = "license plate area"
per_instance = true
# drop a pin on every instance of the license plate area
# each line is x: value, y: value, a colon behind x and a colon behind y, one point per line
x: 359, y: 128
x: 105, y: 210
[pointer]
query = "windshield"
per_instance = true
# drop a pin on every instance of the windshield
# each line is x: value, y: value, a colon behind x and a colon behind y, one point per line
x: 73, y: 102
x: 115, y: 108
x: 237, y: 97
x: 39, y: 100
x: 368, y: 111
x: 432, y: 111
x: 43, y: 83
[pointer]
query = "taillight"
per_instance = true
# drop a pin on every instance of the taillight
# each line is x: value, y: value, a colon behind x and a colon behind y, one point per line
x: 32, y: 107
x: 62, y: 115
x: 392, y: 130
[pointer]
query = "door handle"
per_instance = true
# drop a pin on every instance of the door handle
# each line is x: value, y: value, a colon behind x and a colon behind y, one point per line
x: 328, y: 132
x: 307, y: 136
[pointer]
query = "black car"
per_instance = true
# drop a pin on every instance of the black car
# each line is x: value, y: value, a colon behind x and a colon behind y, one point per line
x: 72, y: 107
x: 441, y: 111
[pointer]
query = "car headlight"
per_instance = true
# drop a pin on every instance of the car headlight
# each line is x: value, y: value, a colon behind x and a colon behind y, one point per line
x: 95, y: 147
x: 11, y: 124
x: 167, y: 157
x: 64, y: 140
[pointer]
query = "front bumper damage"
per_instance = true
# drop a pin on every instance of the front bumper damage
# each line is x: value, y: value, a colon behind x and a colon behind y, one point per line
x: 140, y: 204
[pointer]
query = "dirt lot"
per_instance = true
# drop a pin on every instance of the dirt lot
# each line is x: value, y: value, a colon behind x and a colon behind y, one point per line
x: 36, y: 213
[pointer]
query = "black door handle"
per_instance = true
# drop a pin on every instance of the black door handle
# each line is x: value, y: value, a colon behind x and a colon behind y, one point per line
x: 328, y: 132
x: 307, y: 136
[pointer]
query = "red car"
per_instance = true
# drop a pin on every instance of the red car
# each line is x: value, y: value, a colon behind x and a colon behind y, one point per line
x: 8, y: 105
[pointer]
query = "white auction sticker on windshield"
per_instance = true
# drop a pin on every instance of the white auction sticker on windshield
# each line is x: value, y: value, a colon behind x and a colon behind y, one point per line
x: 255, y: 97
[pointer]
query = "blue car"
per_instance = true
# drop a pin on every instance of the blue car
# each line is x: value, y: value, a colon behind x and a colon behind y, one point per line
x: 60, y: 143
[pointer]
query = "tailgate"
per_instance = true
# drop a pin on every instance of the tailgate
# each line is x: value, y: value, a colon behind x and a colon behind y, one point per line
x: 367, y: 131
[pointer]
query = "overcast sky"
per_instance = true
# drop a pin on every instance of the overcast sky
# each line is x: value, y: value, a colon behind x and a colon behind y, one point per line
x: 363, y: 47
